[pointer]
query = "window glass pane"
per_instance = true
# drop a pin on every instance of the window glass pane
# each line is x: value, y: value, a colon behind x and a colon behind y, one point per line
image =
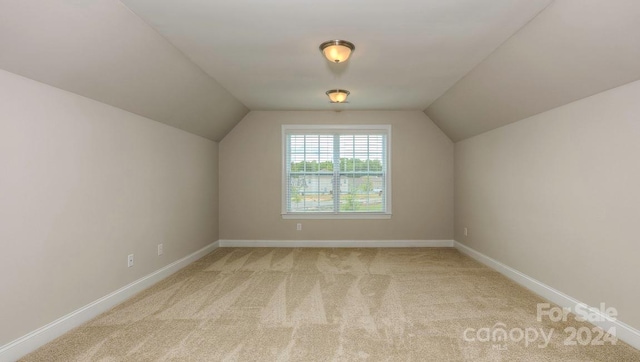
x: 311, y: 193
x: 311, y: 153
x: 361, y: 193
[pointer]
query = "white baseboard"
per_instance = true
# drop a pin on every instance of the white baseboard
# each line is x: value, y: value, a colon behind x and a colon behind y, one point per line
x: 338, y: 243
x: 624, y: 331
x: 41, y: 336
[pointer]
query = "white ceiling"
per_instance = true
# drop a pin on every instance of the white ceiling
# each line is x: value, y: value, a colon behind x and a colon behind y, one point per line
x: 408, y: 52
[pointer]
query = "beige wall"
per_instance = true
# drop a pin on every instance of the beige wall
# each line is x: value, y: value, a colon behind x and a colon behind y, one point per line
x: 82, y: 185
x: 251, y: 180
x: 557, y: 197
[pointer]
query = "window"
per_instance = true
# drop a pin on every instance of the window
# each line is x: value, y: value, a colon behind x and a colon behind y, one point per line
x: 336, y: 171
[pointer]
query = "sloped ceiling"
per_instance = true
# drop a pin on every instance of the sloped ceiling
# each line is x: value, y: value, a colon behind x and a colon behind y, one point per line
x: 101, y: 50
x: 571, y: 50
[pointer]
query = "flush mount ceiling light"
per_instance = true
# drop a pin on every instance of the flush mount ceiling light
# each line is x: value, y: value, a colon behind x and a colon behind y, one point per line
x: 337, y: 51
x: 337, y: 95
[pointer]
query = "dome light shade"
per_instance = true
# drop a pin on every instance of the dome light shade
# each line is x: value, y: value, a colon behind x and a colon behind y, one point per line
x: 337, y: 95
x: 337, y: 51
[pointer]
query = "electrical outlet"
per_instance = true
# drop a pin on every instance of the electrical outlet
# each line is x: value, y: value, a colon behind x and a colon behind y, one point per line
x: 466, y: 232
x: 299, y: 226
x: 160, y: 249
x: 130, y: 260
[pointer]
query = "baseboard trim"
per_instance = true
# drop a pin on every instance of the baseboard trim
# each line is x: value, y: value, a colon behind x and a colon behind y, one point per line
x: 41, y: 336
x: 624, y: 332
x: 338, y: 243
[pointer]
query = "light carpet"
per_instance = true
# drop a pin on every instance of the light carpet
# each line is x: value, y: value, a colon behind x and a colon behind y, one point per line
x: 299, y: 304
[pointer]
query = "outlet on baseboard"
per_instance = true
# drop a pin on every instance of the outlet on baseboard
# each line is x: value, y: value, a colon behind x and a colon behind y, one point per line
x: 160, y: 249
x: 299, y: 226
x: 466, y: 232
x: 130, y: 260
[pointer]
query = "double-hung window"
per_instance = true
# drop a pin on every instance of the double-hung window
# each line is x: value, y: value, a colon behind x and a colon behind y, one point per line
x: 336, y: 171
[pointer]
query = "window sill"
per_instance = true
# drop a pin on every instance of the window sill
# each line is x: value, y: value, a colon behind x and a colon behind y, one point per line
x: 327, y: 216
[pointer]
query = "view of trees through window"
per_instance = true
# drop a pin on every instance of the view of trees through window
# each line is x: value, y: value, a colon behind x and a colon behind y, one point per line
x: 346, y: 164
x: 329, y: 172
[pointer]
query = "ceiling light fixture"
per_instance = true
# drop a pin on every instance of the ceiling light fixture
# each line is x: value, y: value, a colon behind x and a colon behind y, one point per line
x: 337, y: 95
x: 337, y: 51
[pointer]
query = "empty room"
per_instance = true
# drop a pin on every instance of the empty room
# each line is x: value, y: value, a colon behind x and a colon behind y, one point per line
x: 365, y: 180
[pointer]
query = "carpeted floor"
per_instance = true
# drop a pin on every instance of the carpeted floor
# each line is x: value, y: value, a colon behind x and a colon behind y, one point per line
x: 270, y: 304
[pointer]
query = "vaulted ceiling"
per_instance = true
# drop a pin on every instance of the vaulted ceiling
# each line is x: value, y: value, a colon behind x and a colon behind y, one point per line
x: 202, y: 65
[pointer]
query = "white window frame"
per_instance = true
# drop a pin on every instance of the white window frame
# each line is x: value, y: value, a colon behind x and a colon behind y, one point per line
x: 328, y: 129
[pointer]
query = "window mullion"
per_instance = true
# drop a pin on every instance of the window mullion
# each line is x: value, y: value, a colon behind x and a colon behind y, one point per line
x: 336, y: 173
x: 304, y: 168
